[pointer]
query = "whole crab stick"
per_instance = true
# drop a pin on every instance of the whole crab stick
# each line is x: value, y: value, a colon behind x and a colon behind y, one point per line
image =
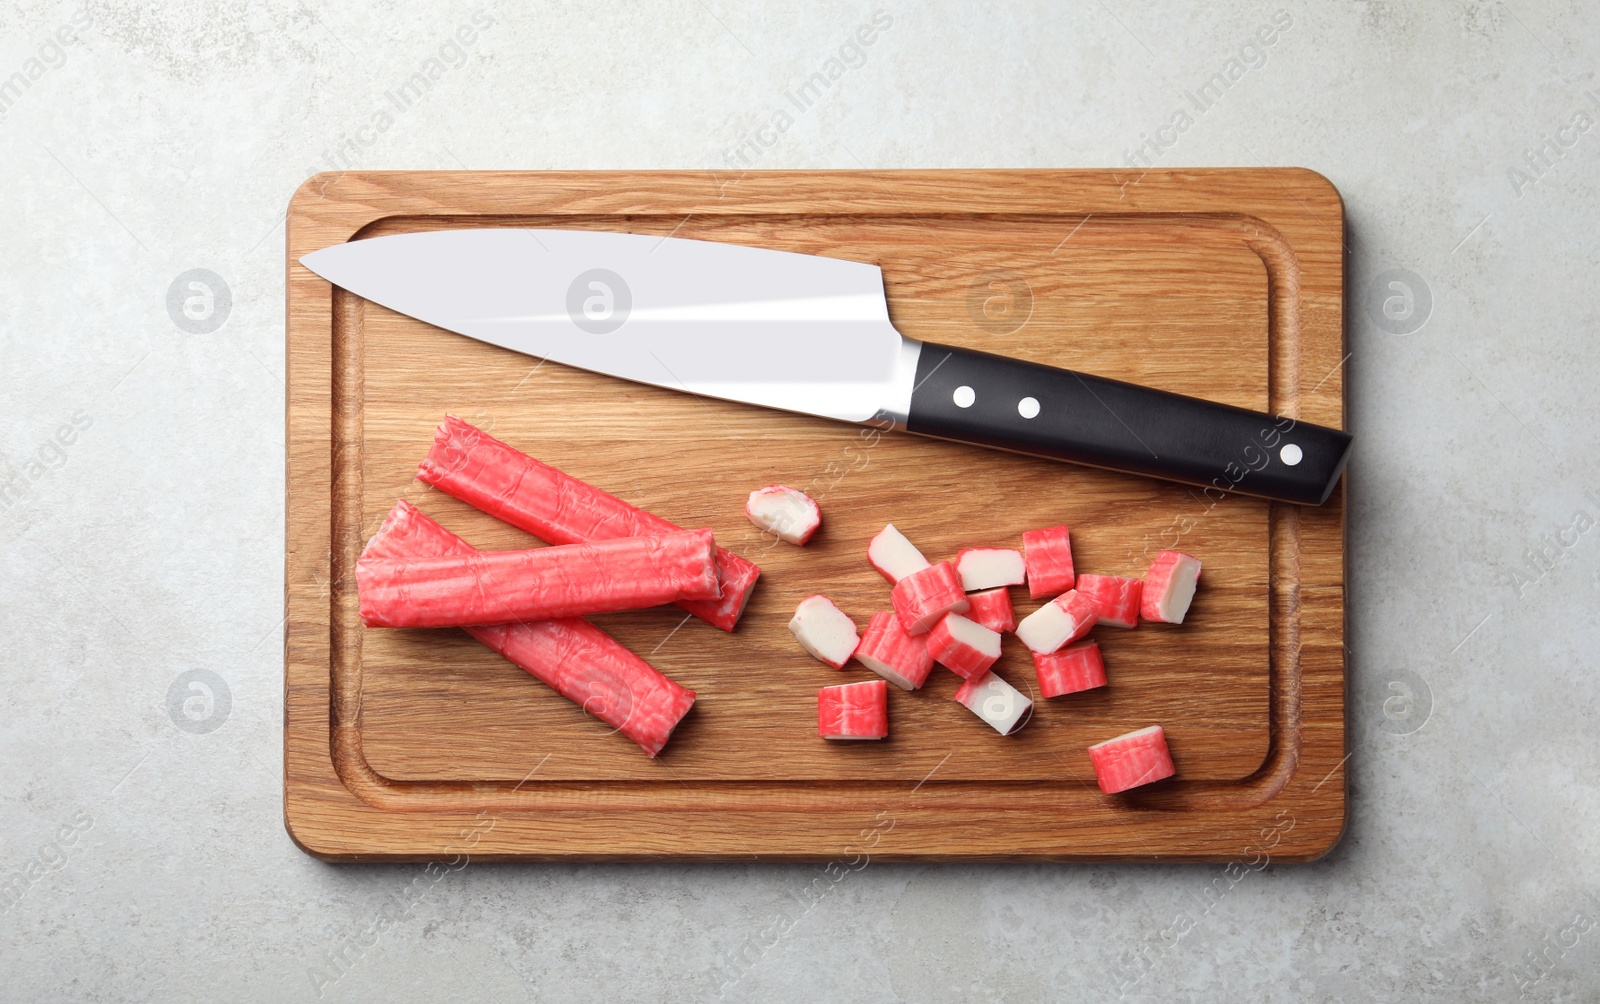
x: 504, y: 482
x: 496, y: 587
x: 575, y: 658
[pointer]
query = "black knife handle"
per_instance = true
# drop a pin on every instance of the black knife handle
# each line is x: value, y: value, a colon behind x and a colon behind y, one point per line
x: 1008, y: 404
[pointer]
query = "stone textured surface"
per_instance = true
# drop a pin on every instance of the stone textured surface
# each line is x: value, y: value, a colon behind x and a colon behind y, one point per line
x: 143, y: 861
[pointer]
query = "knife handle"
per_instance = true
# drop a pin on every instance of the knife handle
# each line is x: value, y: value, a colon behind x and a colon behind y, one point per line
x: 1008, y: 404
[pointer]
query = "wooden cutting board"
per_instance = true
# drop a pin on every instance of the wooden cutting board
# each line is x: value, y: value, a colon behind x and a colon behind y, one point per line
x: 1224, y: 284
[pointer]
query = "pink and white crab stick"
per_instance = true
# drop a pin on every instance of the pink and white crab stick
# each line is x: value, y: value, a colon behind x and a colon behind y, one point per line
x: 1073, y: 669
x: 1169, y: 587
x: 992, y: 608
x: 504, y: 482
x: 1064, y: 619
x: 1131, y: 759
x: 824, y: 630
x: 989, y: 567
x: 997, y: 702
x: 787, y: 513
x: 888, y: 650
x: 854, y: 711
x: 1048, y: 555
x: 578, y: 660
x: 893, y: 555
x: 964, y: 647
x: 923, y: 597
x: 1117, y: 598
x: 498, y: 587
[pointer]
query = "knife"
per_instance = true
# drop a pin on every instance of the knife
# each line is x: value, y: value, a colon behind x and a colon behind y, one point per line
x: 810, y: 334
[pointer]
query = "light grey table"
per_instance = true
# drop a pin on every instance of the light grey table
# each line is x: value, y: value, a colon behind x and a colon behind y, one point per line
x: 142, y: 853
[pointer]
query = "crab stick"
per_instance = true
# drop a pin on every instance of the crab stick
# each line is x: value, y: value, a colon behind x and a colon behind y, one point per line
x: 1131, y: 759
x: 497, y: 587
x: 575, y: 658
x: 854, y: 711
x: 478, y: 469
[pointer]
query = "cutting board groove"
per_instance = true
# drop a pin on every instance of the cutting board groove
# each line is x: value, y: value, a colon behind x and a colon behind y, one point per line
x: 1224, y: 284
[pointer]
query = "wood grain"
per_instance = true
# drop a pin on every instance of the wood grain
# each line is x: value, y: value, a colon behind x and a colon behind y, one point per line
x: 1222, y: 284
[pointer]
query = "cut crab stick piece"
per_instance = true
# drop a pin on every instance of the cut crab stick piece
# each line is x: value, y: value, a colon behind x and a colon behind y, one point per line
x: 893, y: 555
x: 1075, y: 668
x: 824, y: 630
x: 1169, y: 587
x: 787, y: 513
x: 1116, y: 598
x: 1062, y: 621
x: 1131, y: 760
x: 886, y: 649
x: 854, y: 711
x: 964, y: 647
x: 1048, y: 555
x: 483, y: 472
x: 988, y: 567
x: 496, y: 587
x: 992, y: 608
x: 995, y: 701
x: 921, y: 598
x: 576, y: 659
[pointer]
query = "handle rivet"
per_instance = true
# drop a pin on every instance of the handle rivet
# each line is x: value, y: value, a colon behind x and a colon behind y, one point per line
x: 1291, y: 454
x: 1028, y: 407
x: 964, y: 396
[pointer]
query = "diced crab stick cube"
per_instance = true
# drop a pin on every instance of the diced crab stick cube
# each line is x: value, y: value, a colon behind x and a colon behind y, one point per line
x: 1169, y: 587
x: 988, y: 567
x: 992, y: 609
x: 893, y: 555
x: 1062, y: 621
x: 886, y: 649
x: 853, y: 711
x: 786, y: 513
x: 1049, y: 560
x: 995, y: 701
x: 964, y: 647
x: 824, y: 630
x: 1131, y: 760
x: 921, y: 598
x: 1117, y: 598
x: 1075, y: 668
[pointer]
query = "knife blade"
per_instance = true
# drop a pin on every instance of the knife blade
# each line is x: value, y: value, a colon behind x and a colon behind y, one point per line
x: 809, y: 334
